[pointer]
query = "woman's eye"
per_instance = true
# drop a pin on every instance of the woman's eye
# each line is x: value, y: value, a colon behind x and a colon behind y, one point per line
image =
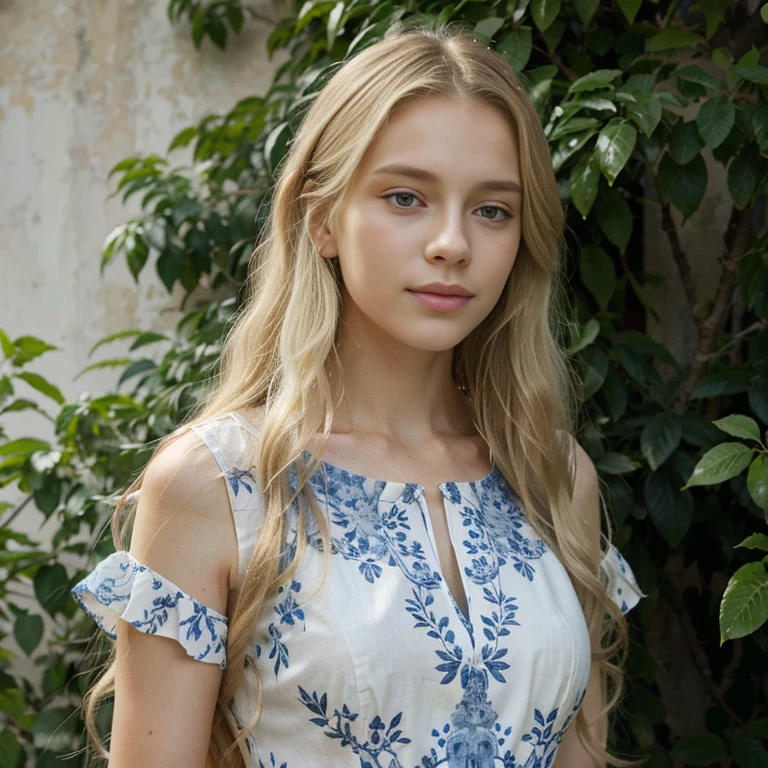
x: 486, y: 208
x: 506, y: 215
x: 400, y: 194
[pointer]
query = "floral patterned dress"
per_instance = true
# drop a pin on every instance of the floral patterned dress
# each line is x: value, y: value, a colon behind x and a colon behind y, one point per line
x: 380, y: 668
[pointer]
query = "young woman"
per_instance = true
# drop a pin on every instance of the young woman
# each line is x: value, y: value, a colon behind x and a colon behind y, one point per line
x: 377, y: 543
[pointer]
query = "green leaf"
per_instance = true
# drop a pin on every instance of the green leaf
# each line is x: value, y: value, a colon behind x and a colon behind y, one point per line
x: 695, y: 74
x: 10, y: 749
x: 671, y: 513
x: 615, y: 464
x: 28, y: 348
x: 756, y: 74
x: 28, y: 631
x: 757, y: 481
x: 643, y: 296
x: 719, y: 464
x: 722, y: 57
x: 730, y: 381
x: 236, y: 18
x: 756, y: 729
x: 490, y: 26
x: 630, y: 8
x: 198, y: 25
x: 8, y: 347
x: 568, y: 147
x: 216, y: 29
x: 598, y: 274
x: 739, y: 426
x: 334, y: 17
x: 760, y: 126
x: 685, y: 142
x: 183, y: 138
x: 275, y: 145
x: 148, y: 337
x: 586, y: 9
x: 683, y: 185
x: 749, y: 753
x: 595, y: 368
x: 614, y: 147
x: 113, y: 363
x: 615, y: 392
x: 744, y: 607
x: 670, y: 38
x: 544, y: 12
x: 553, y: 34
x: 743, y: 174
x: 23, y: 445
x: 50, y: 585
x: 585, y: 181
x: 114, y: 337
x: 516, y: 47
x: 614, y: 218
x: 755, y: 541
x: 644, y: 108
x: 659, y: 439
x: 42, y: 385
x: 170, y: 265
x: 601, y: 78
x: 714, y: 12
x: 584, y: 335
x: 715, y: 120
x: 135, y: 369
x: 571, y: 125
x: 702, y: 749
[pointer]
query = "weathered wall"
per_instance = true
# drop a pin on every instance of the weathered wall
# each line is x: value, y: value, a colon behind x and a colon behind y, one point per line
x: 84, y: 84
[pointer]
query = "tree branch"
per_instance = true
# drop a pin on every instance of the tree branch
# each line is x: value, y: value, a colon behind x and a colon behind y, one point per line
x: 737, y: 240
x: 680, y: 257
x: 700, y: 660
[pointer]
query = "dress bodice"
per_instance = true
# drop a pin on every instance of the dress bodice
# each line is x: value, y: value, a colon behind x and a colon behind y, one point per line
x: 376, y: 666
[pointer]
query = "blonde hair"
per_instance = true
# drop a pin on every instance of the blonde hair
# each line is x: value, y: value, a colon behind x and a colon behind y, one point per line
x: 280, y: 352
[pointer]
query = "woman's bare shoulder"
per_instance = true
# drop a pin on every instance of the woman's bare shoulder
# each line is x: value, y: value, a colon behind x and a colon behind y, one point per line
x: 183, y: 518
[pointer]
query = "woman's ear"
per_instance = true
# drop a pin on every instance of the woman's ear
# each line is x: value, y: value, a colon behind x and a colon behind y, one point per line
x: 321, y: 236
x: 318, y: 229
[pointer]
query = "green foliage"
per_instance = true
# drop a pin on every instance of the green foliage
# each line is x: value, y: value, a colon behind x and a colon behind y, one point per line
x: 635, y: 97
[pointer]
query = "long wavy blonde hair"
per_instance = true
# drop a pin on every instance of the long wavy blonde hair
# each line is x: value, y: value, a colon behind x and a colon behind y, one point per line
x: 279, y: 354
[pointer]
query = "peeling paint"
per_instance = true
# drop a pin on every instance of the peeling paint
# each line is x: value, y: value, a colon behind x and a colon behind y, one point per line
x: 24, y: 100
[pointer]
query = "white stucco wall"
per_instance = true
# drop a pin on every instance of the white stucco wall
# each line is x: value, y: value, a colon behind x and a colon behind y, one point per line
x: 84, y: 84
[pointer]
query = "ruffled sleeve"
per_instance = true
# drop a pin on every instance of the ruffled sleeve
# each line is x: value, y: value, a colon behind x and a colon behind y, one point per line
x: 121, y: 587
x: 619, y: 581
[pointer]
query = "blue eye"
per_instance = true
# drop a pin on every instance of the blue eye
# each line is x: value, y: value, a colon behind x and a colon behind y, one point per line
x: 506, y: 213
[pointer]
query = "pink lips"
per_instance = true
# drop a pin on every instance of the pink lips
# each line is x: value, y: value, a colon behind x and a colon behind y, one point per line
x: 440, y: 302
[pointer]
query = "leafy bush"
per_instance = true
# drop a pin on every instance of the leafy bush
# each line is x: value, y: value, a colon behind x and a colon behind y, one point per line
x: 639, y: 100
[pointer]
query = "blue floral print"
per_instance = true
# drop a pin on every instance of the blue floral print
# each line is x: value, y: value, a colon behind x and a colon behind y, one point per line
x: 121, y: 587
x: 377, y: 750
x: 288, y: 612
x: 381, y: 668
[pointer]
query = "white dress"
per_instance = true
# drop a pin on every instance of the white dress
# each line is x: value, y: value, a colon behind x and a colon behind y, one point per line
x: 381, y: 668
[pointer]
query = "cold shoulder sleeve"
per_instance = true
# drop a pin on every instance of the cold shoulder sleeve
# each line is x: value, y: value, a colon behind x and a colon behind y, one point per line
x: 120, y: 587
x: 619, y: 581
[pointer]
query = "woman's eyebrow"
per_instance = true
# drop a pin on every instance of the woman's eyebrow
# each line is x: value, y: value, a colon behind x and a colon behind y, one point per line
x: 498, y: 185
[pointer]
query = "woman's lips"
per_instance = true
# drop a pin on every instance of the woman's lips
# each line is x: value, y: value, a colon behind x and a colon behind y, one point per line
x: 439, y: 302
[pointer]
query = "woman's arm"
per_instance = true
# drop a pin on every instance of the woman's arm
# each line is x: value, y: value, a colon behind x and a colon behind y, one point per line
x: 164, y: 698
x: 571, y: 753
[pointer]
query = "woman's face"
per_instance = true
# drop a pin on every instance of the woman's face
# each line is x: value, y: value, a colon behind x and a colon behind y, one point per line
x: 437, y: 199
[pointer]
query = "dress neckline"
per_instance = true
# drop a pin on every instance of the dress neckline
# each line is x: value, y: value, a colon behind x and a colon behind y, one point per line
x: 348, y: 474
x: 358, y: 478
